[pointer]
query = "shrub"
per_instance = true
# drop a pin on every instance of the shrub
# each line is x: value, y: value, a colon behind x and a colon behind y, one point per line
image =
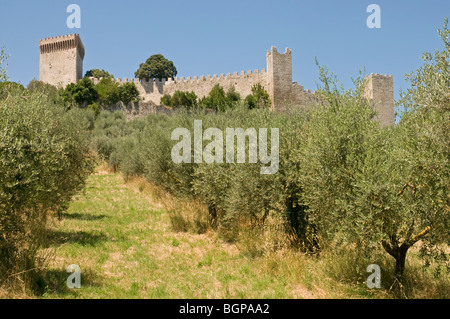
x: 218, y: 100
x: 233, y: 96
x: 94, y: 108
x: 107, y: 128
x: 82, y: 93
x: 128, y: 93
x: 166, y: 100
x: 44, y: 160
x: 107, y: 91
x: 258, y: 98
x: 186, y: 99
x: 251, y: 101
x: 53, y: 94
x: 156, y: 146
x: 7, y: 87
x: 180, y: 98
x: 126, y: 155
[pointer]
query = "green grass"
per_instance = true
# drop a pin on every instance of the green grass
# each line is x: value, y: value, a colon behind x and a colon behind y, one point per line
x: 125, y: 248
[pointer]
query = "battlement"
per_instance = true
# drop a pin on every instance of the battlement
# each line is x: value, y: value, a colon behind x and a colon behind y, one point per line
x: 273, y: 50
x: 277, y: 80
x: 58, y: 38
x: 62, y: 62
x: 279, y: 77
x: 61, y: 59
x: 198, y: 79
x: 222, y: 76
x: 61, y: 43
x: 154, y: 89
x: 376, y: 75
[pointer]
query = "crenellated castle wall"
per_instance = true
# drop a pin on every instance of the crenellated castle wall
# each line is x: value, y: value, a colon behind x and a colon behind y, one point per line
x: 277, y: 80
x: 153, y: 90
x: 62, y: 59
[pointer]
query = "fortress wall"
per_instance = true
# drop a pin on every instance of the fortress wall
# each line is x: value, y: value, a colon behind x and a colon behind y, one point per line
x: 300, y: 97
x: 61, y: 63
x: 379, y: 89
x: 201, y: 86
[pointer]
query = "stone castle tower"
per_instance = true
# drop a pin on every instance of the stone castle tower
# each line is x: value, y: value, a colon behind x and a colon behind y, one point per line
x: 380, y: 90
x: 61, y: 60
x: 61, y: 63
x: 279, y: 76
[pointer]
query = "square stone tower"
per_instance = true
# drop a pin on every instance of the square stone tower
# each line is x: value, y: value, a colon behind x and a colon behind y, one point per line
x: 279, y: 77
x: 379, y: 89
x: 61, y: 60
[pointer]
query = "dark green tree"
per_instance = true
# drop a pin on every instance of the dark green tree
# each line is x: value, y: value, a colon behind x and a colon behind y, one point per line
x: 233, y: 96
x: 128, y: 93
x: 156, y: 67
x: 216, y: 99
x: 180, y: 98
x: 220, y: 100
x: 82, y: 93
x: 258, y: 98
x: 108, y: 91
x: 166, y: 100
x: 187, y: 99
x: 97, y: 73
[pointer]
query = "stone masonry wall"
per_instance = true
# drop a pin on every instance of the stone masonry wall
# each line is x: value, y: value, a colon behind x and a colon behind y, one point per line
x: 279, y: 70
x: 61, y: 60
x: 153, y: 90
x: 380, y: 89
x: 277, y: 81
x: 61, y: 63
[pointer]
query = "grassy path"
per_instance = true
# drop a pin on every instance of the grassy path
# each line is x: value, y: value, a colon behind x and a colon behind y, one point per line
x: 125, y: 249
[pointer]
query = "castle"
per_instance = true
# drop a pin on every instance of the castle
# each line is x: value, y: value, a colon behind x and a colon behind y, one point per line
x: 61, y: 59
x: 61, y: 63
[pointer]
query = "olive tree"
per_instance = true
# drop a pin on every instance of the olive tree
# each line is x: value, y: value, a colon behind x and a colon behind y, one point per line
x: 382, y: 187
x: 3, y: 65
x: 44, y: 160
x: 417, y: 166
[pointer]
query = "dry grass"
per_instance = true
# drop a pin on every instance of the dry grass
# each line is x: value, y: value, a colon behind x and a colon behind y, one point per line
x: 330, y: 276
x: 122, y: 237
x: 185, y: 215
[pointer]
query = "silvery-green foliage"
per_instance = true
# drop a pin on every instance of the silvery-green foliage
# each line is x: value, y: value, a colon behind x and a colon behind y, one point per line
x: 44, y: 161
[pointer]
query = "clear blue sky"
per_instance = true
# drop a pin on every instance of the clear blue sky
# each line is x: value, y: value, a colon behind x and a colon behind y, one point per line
x: 213, y: 37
